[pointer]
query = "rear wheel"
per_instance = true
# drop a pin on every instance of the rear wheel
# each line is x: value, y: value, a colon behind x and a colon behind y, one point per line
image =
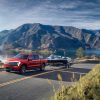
x: 23, y: 69
x: 42, y: 68
x: 67, y: 65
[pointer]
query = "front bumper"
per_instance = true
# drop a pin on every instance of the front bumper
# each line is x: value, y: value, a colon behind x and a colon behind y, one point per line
x: 10, y: 67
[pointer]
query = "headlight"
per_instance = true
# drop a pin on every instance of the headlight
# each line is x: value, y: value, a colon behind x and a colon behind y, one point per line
x: 3, y: 61
x: 18, y: 63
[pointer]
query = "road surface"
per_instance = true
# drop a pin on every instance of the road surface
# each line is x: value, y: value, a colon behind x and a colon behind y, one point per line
x: 34, y: 85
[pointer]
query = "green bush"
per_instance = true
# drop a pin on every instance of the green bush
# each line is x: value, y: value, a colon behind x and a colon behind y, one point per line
x: 88, y: 88
x: 80, y: 52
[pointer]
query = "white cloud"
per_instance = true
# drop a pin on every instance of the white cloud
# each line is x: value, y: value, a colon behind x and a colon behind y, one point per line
x: 63, y: 13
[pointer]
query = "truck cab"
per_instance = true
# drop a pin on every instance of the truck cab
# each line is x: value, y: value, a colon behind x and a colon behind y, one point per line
x: 23, y: 62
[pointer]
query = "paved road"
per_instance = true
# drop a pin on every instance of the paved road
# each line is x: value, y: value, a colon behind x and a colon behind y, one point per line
x: 34, y: 85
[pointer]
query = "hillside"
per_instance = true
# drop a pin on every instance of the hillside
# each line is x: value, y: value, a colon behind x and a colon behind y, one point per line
x: 88, y: 88
x: 38, y: 36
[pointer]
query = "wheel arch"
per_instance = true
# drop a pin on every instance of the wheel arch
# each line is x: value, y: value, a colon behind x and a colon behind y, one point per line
x: 24, y: 65
x: 44, y: 63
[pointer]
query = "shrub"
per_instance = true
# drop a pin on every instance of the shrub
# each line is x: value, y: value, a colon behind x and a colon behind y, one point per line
x: 80, y: 52
x: 88, y: 88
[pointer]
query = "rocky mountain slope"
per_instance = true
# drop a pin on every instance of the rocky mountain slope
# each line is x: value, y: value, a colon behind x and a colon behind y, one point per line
x: 38, y: 36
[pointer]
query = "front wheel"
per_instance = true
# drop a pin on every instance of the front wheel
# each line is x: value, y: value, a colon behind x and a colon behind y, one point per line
x: 23, y: 70
x: 8, y: 70
x: 42, y: 68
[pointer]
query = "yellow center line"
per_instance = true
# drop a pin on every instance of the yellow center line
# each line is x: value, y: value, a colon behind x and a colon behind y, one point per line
x: 21, y: 79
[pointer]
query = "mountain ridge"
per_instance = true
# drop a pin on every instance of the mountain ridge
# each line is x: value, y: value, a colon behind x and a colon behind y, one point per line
x: 39, y: 36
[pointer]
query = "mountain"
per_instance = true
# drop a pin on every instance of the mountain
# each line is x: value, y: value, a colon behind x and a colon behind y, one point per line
x: 38, y: 36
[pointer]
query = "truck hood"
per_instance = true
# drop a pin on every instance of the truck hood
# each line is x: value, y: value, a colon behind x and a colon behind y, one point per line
x: 13, y: 60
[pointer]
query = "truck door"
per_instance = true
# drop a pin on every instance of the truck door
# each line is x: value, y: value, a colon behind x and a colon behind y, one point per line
x: 37, y: 60
x: 34, y: 61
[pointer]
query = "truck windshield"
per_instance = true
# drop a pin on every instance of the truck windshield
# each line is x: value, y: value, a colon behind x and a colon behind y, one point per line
x: 21, y: 56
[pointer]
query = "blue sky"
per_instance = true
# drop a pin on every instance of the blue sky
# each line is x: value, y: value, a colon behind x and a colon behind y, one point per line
x: 78, y: 13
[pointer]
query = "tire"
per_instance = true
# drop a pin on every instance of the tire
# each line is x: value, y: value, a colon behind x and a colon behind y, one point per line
x: 42, y: 68
x: 68, y: 65
x: 23, y: 69
x: 8, y: 70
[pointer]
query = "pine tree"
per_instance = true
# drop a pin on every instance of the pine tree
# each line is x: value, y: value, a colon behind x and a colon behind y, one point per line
x: 80, y: 52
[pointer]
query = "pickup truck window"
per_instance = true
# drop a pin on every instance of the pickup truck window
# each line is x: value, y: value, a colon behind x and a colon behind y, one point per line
x: 21, y: 56
x: 34, y: 57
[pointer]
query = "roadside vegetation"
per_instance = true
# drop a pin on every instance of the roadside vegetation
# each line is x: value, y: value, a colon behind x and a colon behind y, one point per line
x: 88, y: 88
x: 80, y: 52
x: 44, y: 52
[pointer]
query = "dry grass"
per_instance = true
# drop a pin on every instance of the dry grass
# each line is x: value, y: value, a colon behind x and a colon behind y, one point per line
x: 88, y: 88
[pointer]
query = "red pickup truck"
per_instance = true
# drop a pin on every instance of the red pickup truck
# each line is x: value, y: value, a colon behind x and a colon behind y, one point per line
x: 23, y: 62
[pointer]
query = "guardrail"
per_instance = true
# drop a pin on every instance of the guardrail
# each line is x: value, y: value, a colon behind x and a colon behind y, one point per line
x: 95, y: 61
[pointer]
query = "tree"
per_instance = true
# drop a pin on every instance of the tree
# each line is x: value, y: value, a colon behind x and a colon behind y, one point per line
x: 80, y: 52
